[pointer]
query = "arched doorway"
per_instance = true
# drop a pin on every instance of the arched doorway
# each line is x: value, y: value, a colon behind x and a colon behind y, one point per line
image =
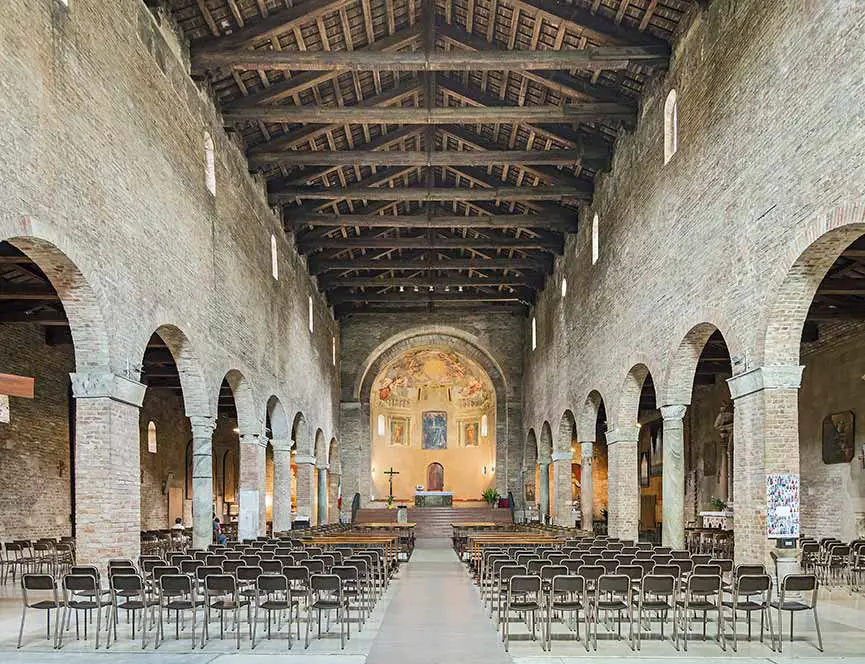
x: 594, y: 472
x: 429, y: 405
x: 435, y: 477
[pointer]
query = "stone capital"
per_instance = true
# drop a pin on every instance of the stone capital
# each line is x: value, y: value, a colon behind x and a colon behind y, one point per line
x: 202, y: 426
x: 563, y: 456
x: 673, y: 412
x: 765, y: 378
x: 349, y: 405
x: 108, y: 386
x: 253, y: 439
x: 304, y: 459
x: 281, y: 444
x: 623, y: 435
x: 587, y: 449
x: 323, y: 466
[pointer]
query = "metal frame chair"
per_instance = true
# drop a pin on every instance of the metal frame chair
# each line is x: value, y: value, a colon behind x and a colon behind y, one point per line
x: 326, y: 594
x: 747, y: 587
x: 80, y: 593
x: 699, y: 590
x: 273, y: 593
x: 797, y: 583
x: 524, y: 596
x: 567, y: 594
x: 658, y: 593
x: 220, y: 594
x: 617, y: 592
x: 128, y: 592
x: 42, y: 584
x: 176, y: 593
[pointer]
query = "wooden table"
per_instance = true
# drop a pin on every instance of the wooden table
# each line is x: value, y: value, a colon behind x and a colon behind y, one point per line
x: 460, y: 531
x: 405, y: 530
x: 390, y: 543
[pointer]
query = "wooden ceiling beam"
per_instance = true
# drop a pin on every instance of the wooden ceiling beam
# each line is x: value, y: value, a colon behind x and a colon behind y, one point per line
x: 38, y: 317
x: 272, y: 26
x: 423, y: 158
x: 520, y: 295
x: 429, y: 220
x: 351, y: 309
x: 554, y: 244
x: 427, y: 281
x: 432, y: 194
x: 595, y: 58
x: 9, y: 291
x: 567, y: 113
x: 842, y: 287
x: 318, y: 265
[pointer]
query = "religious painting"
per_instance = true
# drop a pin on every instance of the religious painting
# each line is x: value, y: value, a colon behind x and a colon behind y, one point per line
x: 469, y: 434
x: 435, y: 430
x: 4, y: 409
x: 399, y: 431
x: 644, y: 469
x: 838, y: 430
x: 530, y: 494
x: 782, y: 505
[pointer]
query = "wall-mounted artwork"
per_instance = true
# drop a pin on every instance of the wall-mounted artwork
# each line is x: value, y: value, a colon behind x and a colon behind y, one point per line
x: 469, y: 434
x: 782, y: 505
x: 399, y: 431
x: 838, y: 431
x: 435, y: 430
x: 530, y: 494
x: 644, y: 469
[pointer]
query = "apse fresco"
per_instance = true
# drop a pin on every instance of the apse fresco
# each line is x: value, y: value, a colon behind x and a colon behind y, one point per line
x: 435, y: 430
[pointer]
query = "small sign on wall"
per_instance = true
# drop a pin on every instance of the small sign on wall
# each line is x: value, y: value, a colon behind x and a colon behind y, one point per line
x: 4, y: 409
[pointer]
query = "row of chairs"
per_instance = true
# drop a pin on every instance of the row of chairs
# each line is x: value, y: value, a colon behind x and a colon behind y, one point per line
x: 47, y: 555
x: 835, y: 563
x: 163, y: 588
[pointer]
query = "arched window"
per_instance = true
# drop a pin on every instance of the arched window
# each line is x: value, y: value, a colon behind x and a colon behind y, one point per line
x: 310, y: 314
x: 485, y: 427
x: 534, y: 333
x: 380, y: 426
x: 151, y: 437
x: 209, y: 164
x: 564, y: 286
x: 596, y: 243
x: 671, y: 126
x: 274, y: 259
x: 333, y: 350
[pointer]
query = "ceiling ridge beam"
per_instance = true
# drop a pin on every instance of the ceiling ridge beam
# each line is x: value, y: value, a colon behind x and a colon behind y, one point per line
x: 379, y: 157
x: 551, y: 243
x: 319, y: 264
x: 430, y: 194
x: 481, y: 222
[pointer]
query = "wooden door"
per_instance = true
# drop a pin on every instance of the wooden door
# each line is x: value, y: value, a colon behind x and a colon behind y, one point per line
x: 435, y: 477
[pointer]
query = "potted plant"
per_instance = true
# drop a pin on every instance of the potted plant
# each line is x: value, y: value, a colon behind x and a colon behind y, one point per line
x: 718, y: 505
x: 491, y: 496
x: 389, y: 504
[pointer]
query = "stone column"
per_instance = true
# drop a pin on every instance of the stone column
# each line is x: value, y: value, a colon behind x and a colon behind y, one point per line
x: 107, y: 467
x: 305, y: 486
x: 766, y: 431
x: 623, y: 483
x: 587, y: 496
x: 723, y: 469
x: 251, y: 518
x: 562, y: 498
x: 321, y: 506
x: 544, y: 490
x: 355, y: 457
x: 281, y: 484
x: 673, y: 517
x: 202, y: 481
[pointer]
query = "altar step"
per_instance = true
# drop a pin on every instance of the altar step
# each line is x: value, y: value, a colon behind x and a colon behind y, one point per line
x: 436, y: 521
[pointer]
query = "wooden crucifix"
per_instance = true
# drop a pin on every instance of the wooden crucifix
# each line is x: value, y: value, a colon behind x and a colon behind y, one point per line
x: 13, y: 386
x: 390, y: 474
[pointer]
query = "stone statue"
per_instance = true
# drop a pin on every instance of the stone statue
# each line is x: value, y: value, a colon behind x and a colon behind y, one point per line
x: 724, y: 421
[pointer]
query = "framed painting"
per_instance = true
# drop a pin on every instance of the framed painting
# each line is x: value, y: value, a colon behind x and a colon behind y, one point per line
x: 435, y: 430
x: 838, y: 432
x: 644, y: 468
x: 530, y: 494
x: 469, y: 434
x: 399, y: 431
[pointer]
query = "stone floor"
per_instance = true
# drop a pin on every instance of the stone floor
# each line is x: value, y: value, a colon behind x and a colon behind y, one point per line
x: 432, y: 614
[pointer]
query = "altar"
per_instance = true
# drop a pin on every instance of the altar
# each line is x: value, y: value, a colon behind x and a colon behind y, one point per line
x: 433, y: 499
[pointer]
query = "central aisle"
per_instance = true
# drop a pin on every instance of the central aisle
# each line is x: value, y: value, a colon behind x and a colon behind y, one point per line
x: 436, y: 615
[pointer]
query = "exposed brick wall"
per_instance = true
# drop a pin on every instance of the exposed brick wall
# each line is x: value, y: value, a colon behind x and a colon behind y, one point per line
x: 34, y: 446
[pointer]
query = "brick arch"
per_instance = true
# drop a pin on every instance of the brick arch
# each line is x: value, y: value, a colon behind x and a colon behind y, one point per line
x: 587, y: 423
x: 320, y: 449
x: 465, y: 344
x: 244, y: 401
x: 91, y: 342
x: 628, y: 405
x: 299, y: 433
x: 333, y: 459
x: 545, y: 443
x: 567, y: 432
x: 279, y: 427
x: 682, y: 367
x: 196, y: 396
x: 798, y: 276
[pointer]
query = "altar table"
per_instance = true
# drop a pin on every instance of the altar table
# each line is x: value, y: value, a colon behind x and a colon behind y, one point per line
x: 433, y: 499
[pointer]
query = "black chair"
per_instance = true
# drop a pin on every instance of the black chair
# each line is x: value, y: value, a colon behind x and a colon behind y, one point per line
x: 747, y: 588
x: 805, y: 586
x: 128, y: 593
x: 351, y: 588
x: 176, y: 593
x: 220, y: 594
x: 523, y: 596
x: 567, y: 594
x: 702, y: 593
x: 46, y: 599
x: 80, y: 593
x: 273, y: 593
x: 613, y: 594
x: 658, y: 594
x: 326, y: 594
